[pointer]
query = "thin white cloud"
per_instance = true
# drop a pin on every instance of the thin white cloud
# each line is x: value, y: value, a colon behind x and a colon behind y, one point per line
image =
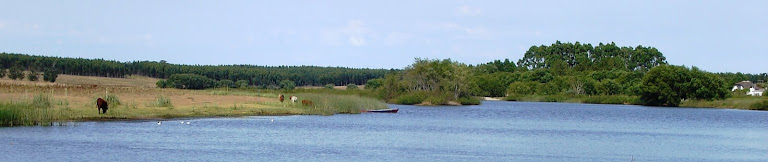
x: 356, y: 31
x: 468, y: 11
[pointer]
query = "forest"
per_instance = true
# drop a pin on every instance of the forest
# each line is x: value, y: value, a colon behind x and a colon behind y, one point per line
x: 252, y: 74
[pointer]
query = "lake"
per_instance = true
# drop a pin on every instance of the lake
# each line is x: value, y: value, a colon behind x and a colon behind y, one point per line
x: 493, y: 131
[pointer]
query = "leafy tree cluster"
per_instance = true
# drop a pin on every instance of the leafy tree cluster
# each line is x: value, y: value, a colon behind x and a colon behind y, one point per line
x: 189, y: 81
x: 252, y: 74
x: 564, y: 57
x: 442, y: 81
x: 668, y: 85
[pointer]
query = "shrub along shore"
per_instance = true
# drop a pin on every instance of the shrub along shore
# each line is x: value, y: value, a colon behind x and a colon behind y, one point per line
x: 740, y: 102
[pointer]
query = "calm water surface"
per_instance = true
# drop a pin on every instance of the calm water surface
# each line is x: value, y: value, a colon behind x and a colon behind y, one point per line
x: 494, y: 131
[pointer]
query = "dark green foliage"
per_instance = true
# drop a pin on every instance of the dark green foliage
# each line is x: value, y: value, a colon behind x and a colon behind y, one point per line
x: 565, y: 57
x: 608, y: 87
x: 447, y: 80
x: 493, y: 85
x: 547, y: 89
x: 32, y: 76
x: 163, y: 84
x: 2, y: 72
x: 351, y: 86
x: 50, y: 75
x: 411, y: 98
x: 553, y: 98
x: 226, y: 83
x: 241, y: 83
x: 16, y: 73
x: 469, y: 101
x: 374, y: 83
x: 522, y: 88
x: 287, y: 85
x: 668, y: 85
x: 330, y: 86
x: 191, y: 81
x: 257, y: 75
x: 762, y: 105
x: 496, y: 66
x: 614, y: 99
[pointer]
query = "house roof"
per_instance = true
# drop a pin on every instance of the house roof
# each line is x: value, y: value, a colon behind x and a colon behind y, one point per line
x: 745, y: 84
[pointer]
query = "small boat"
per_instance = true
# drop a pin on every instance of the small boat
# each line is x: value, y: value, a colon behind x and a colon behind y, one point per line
x: 383, y: 111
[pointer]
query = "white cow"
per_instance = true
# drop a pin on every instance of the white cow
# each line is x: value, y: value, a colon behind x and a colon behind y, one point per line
x: 294, y: 99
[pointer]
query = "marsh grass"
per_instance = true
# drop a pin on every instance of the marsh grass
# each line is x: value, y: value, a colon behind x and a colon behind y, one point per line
x: 163, y: 101
x: 742, y: 102
x: 328, y: 104
x: 37, y: 111
x: 112, y: 99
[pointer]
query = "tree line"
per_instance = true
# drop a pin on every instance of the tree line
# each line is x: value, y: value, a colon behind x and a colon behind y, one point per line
x: 564, y: 69
x: 253, y: 74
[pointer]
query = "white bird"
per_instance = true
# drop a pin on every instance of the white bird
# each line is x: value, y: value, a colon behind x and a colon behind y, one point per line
x: 182, y: 122
x: 272, y: 120
x: 187, y: 123
x: 158, y: 123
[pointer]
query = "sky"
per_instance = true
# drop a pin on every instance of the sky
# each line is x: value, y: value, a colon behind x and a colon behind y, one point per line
x: 716, y: 36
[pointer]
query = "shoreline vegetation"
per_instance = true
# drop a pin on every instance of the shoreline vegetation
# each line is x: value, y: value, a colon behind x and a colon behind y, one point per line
x: 39, y: 103
x: 740, y: 102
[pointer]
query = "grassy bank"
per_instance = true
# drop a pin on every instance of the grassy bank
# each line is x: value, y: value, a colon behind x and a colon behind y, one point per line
x: 47, y: 104
x: 741, y: 102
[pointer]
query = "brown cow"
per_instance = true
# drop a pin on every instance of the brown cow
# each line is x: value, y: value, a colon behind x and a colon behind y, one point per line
x: 102, y: 105
x: 307, y: 103
x: 282, y: 98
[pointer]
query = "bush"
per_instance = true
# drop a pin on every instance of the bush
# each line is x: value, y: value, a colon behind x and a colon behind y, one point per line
x: 438, y: 99
x: 50, y: 75
x: 241, y: 83
x: 162, y: 84
x: 226, y: 83
x: 611, y: 100
x: 522, y: 88
x: 191, y: 81
x: 351, y: 86
x: 469, y: 101
x: 374, y: 83
x: 513, y: 97
x: 411, y: 98
x: 762, y: 105
x: 2, y: 72
x: 329, y: 86
x: 15, y: 73
x: 287, y: 85
x: 32, y: 76
x: 554, y: 98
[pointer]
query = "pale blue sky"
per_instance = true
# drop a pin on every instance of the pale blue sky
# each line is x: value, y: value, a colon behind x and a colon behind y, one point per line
x: 716, y: 36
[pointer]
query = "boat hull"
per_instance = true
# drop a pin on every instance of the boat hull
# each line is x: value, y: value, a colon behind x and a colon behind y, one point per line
x: 383, y: 111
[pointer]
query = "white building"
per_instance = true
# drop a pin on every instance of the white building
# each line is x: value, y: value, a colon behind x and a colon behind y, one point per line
x: 753, y: 89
